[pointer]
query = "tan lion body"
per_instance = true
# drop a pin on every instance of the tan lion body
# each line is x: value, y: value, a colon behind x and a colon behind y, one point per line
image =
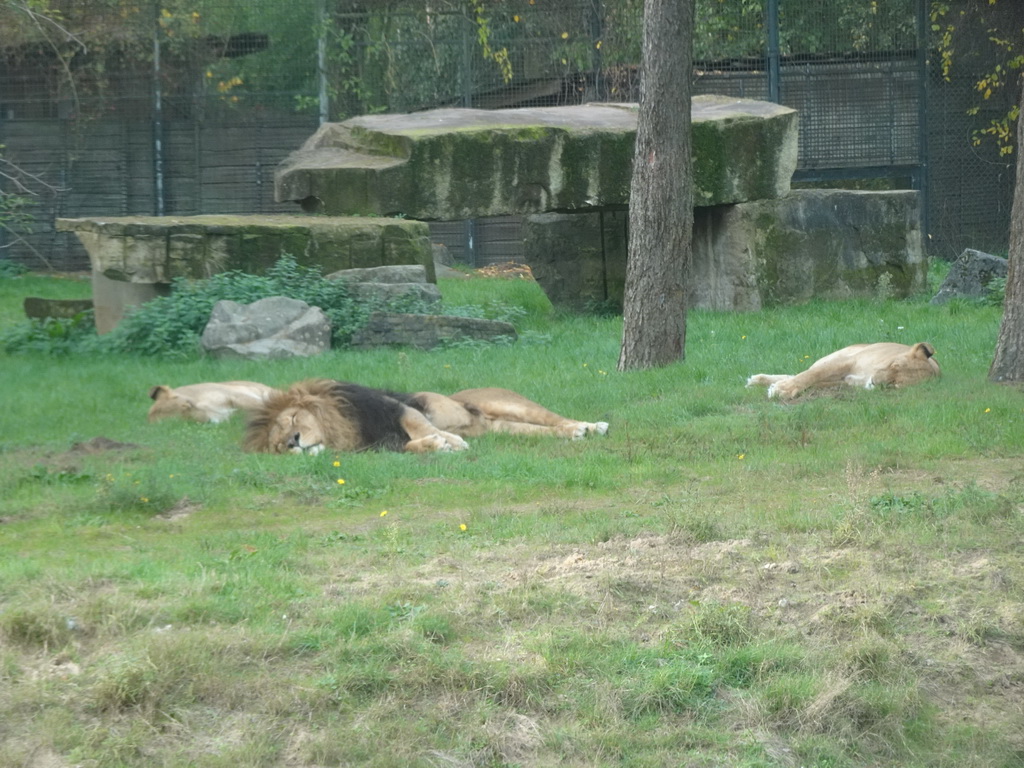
x: 884, y: 364
x: 475, y: 412
x: 321, y: 414
x: 207, y: 402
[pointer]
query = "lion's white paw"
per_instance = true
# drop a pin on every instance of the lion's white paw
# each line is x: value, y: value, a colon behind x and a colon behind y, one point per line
x: 455, y: 443
x: 585, y: 428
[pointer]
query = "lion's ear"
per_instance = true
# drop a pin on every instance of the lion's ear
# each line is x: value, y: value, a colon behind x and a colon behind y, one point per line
x: 923, y: 350
x: 160, y: 390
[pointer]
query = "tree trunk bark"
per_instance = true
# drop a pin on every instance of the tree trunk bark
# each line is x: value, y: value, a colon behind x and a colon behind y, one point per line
x: 1008, y: 364
x: 661, y: 193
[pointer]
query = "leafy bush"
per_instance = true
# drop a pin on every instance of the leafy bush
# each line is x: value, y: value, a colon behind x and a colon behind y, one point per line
x: 171, y: 325
x: 996, y: 292
x: 52, y: 335
x: 10, y: 269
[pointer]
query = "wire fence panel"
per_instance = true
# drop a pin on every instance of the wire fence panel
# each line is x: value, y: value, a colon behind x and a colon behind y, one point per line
x: 177, y: 108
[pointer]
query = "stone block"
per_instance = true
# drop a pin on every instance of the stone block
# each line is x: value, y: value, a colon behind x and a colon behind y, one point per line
x: 269, y: 329
x: 970, y: 275
x: 809, y: 244
x: 453, y: 164
x: 428, y: 331
x: 39, y: 308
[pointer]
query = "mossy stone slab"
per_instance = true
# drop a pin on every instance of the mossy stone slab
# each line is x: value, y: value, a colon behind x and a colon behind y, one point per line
x: 453, y: 164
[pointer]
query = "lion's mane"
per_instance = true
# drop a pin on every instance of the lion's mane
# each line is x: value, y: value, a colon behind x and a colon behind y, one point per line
x: 351, y: 417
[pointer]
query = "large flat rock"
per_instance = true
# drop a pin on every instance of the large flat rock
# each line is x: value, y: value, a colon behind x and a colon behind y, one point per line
x: 452, y: 164
x: 135, y: 258
x: 158, y: 249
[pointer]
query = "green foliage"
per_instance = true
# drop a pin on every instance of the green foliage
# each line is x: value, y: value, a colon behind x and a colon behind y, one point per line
x: 52, y: 336
x: 996, y: 295
x: 171, y: 325
x: 15, y: 206
x: 11, y: 269
x: 989, y: 29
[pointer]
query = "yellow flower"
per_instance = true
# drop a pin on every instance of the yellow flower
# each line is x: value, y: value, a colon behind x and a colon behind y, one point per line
x: 565, y: 35
x: 516, y: 18
x: 384, y: 513
x: 337, y: 464
x: 144, y: 500
x: 744, y: 336
x: 741, y: 456
x: 341, y: 481
x: 462, y: 526
x: 988, y: 410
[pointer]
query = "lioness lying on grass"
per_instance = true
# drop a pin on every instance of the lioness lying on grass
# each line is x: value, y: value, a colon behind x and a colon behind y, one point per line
x: 211, y: 401
x: 885, y: 364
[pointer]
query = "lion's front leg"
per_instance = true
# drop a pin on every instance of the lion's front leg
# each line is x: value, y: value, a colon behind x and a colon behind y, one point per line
x: 817, y: 375
x: 766, y: 379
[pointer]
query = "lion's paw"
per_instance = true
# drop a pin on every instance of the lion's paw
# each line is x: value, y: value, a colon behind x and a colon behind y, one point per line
x: 585, y: 428
x: 782, y: 390
x: 454, y: 442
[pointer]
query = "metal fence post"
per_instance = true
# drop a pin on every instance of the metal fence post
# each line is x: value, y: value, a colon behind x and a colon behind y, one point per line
x: 774, y: 89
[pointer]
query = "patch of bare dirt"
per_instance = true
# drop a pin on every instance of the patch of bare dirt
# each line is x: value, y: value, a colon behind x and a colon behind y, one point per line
x: 100, y: 445
x: 506, y: 269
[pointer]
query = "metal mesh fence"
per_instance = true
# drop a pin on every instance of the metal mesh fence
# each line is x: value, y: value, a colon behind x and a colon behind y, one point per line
x: 114, y: 107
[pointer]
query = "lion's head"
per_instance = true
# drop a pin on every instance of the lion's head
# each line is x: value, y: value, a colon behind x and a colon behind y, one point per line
x: 910, y: 367
x: 307, y: 418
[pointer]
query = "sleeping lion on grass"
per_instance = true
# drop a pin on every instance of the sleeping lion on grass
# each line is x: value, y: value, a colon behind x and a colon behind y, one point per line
x: 212, y: 402
x: 885, y: 364
x: 322, y: 414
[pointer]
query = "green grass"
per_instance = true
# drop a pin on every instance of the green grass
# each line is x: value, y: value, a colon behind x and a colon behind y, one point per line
x: 722, y: 580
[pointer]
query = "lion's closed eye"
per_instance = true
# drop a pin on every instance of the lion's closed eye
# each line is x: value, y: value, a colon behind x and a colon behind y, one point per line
x: 296, y: 432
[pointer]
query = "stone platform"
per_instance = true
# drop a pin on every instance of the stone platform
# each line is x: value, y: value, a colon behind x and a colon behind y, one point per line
x: 135, y: 258
x: 453, y: 164
x: 829, y: 244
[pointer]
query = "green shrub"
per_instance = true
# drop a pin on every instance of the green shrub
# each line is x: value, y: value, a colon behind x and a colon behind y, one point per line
x: 51, y: 335
x: 171, y: 325
x: 10, y: 269
x: 996, y: 292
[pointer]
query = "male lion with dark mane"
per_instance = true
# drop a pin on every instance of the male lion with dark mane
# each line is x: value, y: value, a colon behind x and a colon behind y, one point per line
x: 885, y: 364
x: 322, y: 414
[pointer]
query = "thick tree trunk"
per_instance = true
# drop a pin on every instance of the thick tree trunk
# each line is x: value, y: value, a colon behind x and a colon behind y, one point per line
x: 1008, y: 364
x: 661, y: 193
